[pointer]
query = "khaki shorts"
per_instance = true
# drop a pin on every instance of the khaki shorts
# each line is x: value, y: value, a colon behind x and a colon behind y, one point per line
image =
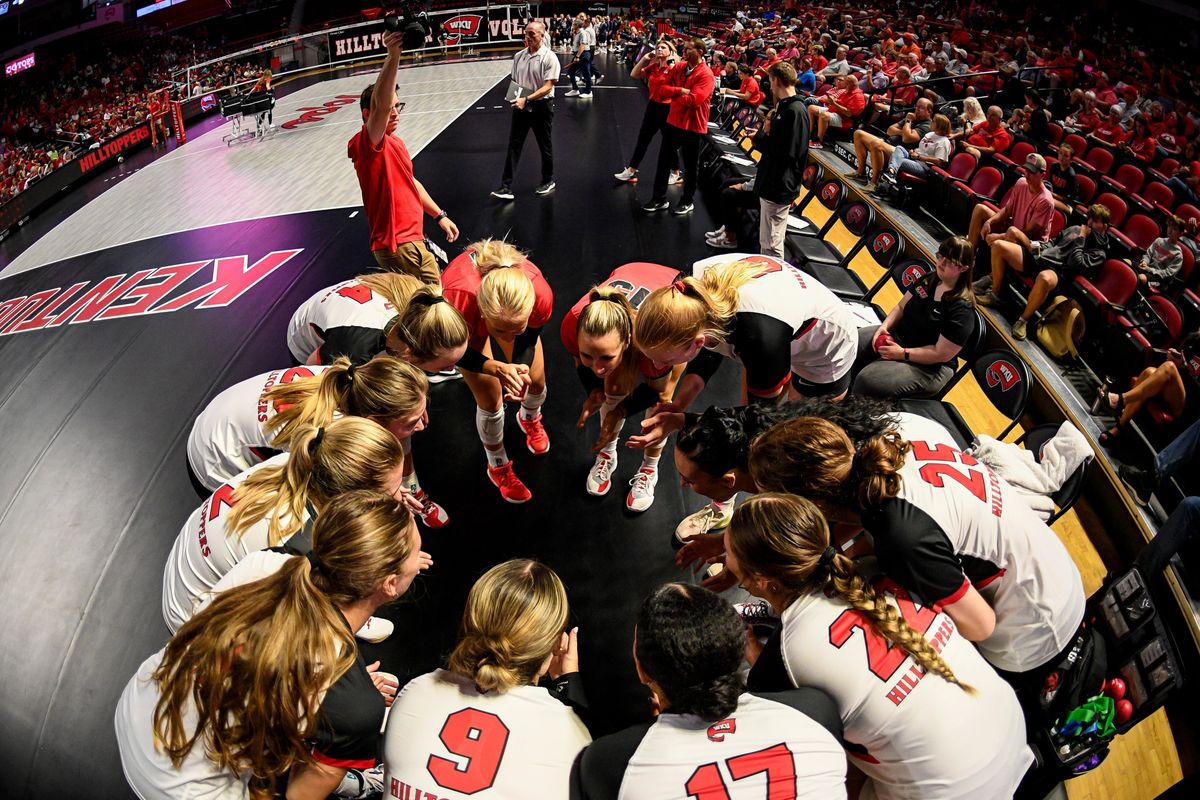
x: 411, y: 258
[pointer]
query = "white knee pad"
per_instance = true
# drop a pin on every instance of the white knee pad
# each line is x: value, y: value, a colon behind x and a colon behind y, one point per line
x: 490, y: 425
x: 533, y: 401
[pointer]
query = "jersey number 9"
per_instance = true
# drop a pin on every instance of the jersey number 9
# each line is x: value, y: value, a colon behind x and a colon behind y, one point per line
x: 478, y: 739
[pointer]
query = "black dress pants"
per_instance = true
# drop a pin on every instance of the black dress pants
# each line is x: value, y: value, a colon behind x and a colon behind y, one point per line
x: 678, y: 143
x: 538, y: 115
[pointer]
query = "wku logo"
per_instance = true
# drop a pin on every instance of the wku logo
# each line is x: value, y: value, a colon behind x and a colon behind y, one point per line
x: 912, y: 274
x: 717, y: 731
x: 464, y: 25
x: 147, y: 291
x: 314, y: 114
x: 1002, y: 374
x: 856, y: 214
x: 831, y: 192
x: 883, y: 242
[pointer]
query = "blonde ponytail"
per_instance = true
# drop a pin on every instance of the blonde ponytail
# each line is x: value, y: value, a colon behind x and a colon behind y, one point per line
x: 395, y: 287
x: 427, y: 326
x: 382, y: 389
x: 506, y: 294
x: 514, y: 619
x: 671, y: 317
x: 784, y: 538
x: 349, y: 453
x: 490, y: 254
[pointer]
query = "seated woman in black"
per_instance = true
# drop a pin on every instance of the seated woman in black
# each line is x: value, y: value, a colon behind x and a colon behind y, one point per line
x: 912, y: 353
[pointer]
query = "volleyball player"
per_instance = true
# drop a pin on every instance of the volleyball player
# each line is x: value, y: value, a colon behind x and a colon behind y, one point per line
x: 923, y: 713
x: 269, y: 503
x: 710, y: 738
x: 504, y: 299
x: 484, y: 726
x: 266, y: 688
x: 618, y: 380
x: 345, y: 319
x: 943, y: 526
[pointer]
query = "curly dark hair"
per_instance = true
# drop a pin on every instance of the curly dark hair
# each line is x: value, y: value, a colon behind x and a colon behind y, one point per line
x: 719, y: 439
x: 691, y: 643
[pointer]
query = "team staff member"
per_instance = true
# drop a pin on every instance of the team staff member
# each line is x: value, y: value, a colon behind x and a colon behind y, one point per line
x: 491, y: 703
x: 618, y: 379
x: 362, y: 318
x: 778, y: 322
x: 655, y: 67
x: 503, y: 297
x: 783, y: 141
x: 924, y: 716
x: 912, y: 353
x: 689, y: 87
x: 943, y: 526
x: 269, y: 503
x: 688, y: 649
x: 194, y: 720
x: 535, y: 69
x: 393, y: 198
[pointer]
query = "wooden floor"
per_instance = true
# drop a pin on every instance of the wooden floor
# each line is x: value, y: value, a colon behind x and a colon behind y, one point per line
x: 1144, y: 762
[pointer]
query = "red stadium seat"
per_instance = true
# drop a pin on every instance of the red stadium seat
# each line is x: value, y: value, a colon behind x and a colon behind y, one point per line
x: 1134, y: 341
x: 1078, y: 144
x: 1097, y: 162
x: 1156, y: 197
x: 1057, y: 223
x: 960, y: 168
x: 1187, y: 211
x: 1166, y: 169
x: 1085, y: 189
x: 1137, y: 234
x: 1117, y: 209
x: 1128, y: 179
x: 1054, y: 133
x: 1015, y: 156
x: 1105, y: 296
x: 963, y: 197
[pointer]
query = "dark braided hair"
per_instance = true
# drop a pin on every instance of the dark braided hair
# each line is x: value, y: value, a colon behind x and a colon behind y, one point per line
x: 691, y: 643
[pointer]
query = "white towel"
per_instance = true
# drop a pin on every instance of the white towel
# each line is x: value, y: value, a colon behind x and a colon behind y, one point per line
x: 1034, y: 480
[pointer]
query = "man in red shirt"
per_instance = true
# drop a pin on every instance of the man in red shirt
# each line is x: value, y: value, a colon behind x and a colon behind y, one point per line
x: 393, y: 199
x: 842, y: 106
x: 689, y: 86
x: 991, y: 137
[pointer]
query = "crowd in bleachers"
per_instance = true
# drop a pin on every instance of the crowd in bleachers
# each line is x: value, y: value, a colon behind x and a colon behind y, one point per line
x: 1113, y: 125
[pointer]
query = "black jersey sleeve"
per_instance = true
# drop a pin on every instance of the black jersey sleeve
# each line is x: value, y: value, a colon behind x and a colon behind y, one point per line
x: 357, y: 343
x: 914, y: 551
x: 524, y: 346
x: 591, y: 382
x: 568, y: 689
x: 958, y: 321
x: 813, y: 703
x: 347, y: 734
x: 600, y: 768
x: 764, y: 346
x: 704, y: 365
x: 472, y: 360
x: 769, y: 673
x: 641, y: 398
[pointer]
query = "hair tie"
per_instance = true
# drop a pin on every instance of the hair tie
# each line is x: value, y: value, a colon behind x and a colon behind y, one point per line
x: 827, y: 557
x: 314, y: 561
x: 316, y: 442
x: 350, y: 372
x: 679, y: 286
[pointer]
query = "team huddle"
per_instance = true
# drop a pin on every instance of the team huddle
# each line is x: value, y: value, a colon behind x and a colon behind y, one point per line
x: 905, y: 588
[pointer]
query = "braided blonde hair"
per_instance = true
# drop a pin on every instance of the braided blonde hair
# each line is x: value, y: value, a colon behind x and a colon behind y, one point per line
x: 782, y: 537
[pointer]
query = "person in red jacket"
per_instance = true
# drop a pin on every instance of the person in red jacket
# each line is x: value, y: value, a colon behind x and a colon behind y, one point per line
x: 655, y: 67
x: 841, y: 107
x: 689, y: 86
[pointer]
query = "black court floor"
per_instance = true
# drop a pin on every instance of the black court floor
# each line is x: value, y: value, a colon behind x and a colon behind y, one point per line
x: 98, y: 394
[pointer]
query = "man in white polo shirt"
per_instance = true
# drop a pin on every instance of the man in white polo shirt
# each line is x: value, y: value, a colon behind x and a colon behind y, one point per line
x: 535, y: 69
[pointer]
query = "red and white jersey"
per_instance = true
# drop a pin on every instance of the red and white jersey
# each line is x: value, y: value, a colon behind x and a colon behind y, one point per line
x: 445, y: 739
x: 635, y: 281
x: 228, y: 437
x: 348, y: 304
x: 922, y: 738
x: 767, y: 748
x: 204, y: 551
x: 460, y: 286
x: 825, y: 334
x: 983, y: 534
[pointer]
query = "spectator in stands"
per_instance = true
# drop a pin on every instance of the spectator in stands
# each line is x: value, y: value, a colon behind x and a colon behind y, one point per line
x: 1105, y: 96
x: 839, y: 108
x: 905, y: 133
x: 783, y: 142
x: 874, y: 79
x: 1173, y: 458
x: 910, y: 46
x: 393, y: 198
x: 1085, y: 118
x: 790, y: 50
x: 1131, y: 105
x: 989, y: 138
x: 1061, y: 177
x: 689, y: 86
x: 939, y: 83
x: 1034, y: 126
x: 1164, y: 258
x: 1109, y: 132
x: 839, y: 65
x: 748, y: 94
x: 1077, y: 250
x: 934, y: 150
x: 919, y: 71
x: 1141, y: 147
x: 816, y: 58
x: 770, y: 59
x: 1186, y: 183
x: 1025, y: 214
x: 912, y: 353
x: 1163, y: 381
x: 806, y: 79
x: 972, y: 115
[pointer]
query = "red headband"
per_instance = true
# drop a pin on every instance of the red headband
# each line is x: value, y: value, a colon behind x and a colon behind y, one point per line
x: 679, y: 286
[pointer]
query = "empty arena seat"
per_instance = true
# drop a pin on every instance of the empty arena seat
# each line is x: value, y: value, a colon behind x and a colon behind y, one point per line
x: 1078, y: 144
x: 858, y: 217
x: 802, y: 250
x: 1085, y: 189
x: 962, y: 198
x: 813, y: 174
x: 1155, y: 198
x: 1105, y: 295
x: 1165, y: 169
x: 1128, y: 179
x: 1154, y: 321
x: 1034, y: 440
x: 1098, y: 161
x: 1137, y: 233
x: 1015, y: 156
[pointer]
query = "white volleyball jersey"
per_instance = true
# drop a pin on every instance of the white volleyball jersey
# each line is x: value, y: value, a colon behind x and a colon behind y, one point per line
x: 147, y: 769
x: 445, y: 739
x: 204, y: 551
x: 766, y: 748
x: 348, y: 304
x: 824, y: 339
x: 922, y: 738
x: 957, y: 523
x: 228, y: 437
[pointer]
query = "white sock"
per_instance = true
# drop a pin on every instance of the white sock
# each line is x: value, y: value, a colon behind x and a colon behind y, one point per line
x: 531, y: 404
x: 411, y: 483
x: 650, y: 462
x: 610, y: 402
x: 496, y: 458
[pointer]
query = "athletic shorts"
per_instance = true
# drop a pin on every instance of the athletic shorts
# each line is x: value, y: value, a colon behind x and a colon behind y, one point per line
x: 831, y: 389
x: 836, y: 121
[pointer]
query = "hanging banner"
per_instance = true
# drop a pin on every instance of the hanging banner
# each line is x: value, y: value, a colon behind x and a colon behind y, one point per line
x: 453, y: 28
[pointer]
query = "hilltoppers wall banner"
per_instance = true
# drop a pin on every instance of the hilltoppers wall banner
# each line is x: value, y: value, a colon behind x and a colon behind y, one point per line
x: 455, y: 28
